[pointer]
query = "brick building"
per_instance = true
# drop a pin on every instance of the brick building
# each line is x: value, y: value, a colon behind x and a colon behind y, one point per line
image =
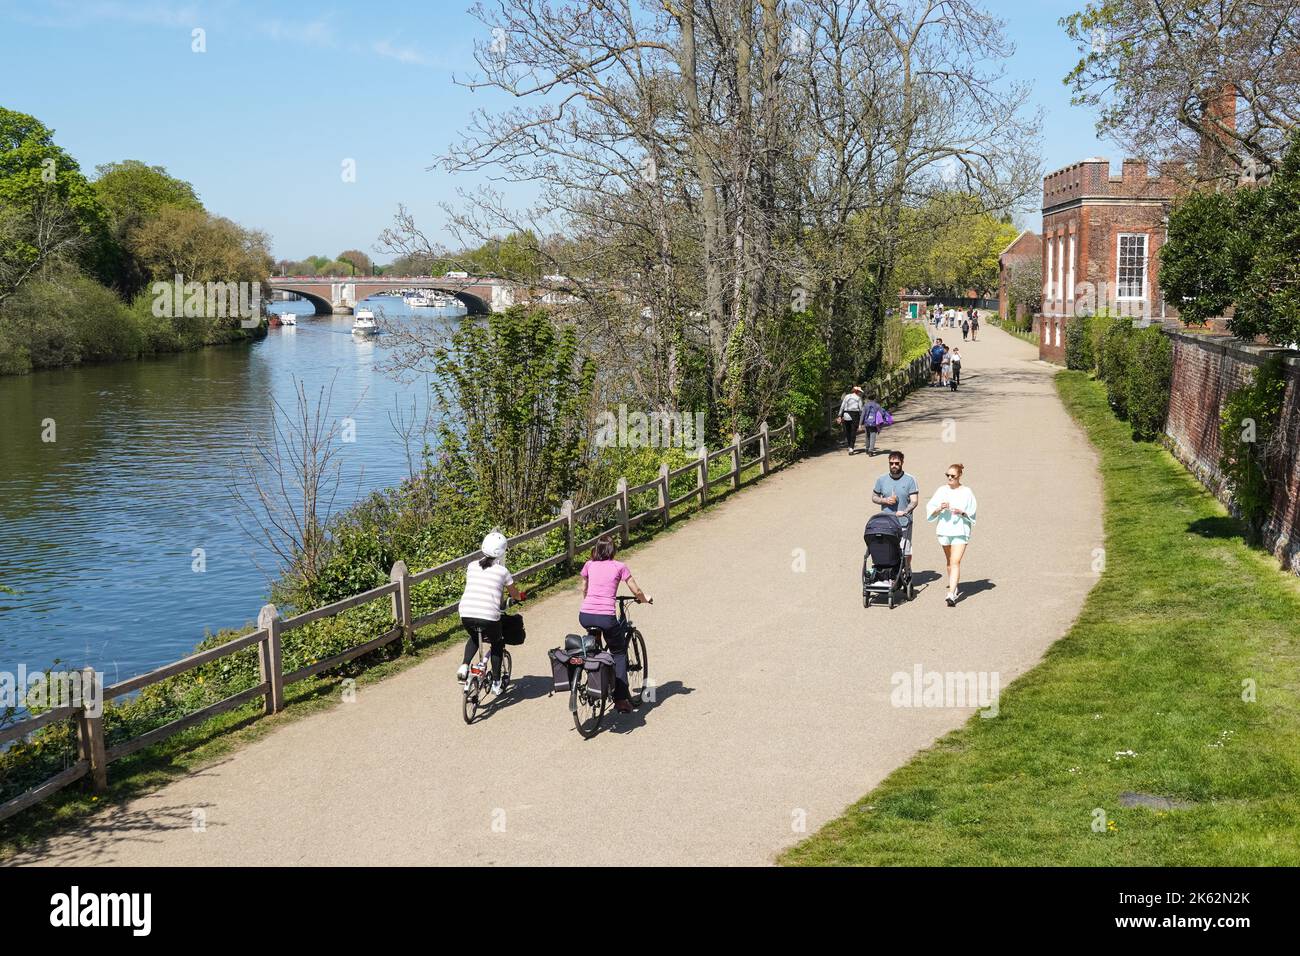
x: 1101, y: 246
x: 1026, y: 247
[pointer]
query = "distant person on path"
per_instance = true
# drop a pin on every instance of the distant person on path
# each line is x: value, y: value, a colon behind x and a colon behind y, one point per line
x: 937, y: 351
x: 898, y: 493
x: 955, y: 361
x: 975, y: 326
x: 945, y: 367
x: 965, y: 328
x: 601, y: 577
x: 480, y: 605
x: 953, y: 507
x: 870, y: 412
x: 850, y: 415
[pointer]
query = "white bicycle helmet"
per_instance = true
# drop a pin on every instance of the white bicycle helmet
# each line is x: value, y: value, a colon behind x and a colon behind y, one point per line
x: 494, y: 545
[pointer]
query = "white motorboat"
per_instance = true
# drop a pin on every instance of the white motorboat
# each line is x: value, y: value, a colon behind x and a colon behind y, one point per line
x: 364, y: 323
x: 288, y: 318
x: 418, y: 301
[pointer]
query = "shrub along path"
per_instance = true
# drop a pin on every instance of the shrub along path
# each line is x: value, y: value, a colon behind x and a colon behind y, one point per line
x: 1176, y: 687
x: 774, y: 686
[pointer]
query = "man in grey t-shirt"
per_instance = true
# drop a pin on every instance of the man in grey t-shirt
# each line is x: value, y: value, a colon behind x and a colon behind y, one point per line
x: 898, y: 493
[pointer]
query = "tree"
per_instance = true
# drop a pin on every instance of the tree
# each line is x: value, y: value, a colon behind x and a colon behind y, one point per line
x: 132, y: 194
x: 1210, y: 83
x: 49, y: 214
x: 1198, y: 268
x: 1025, y: 287
x: 357, y: 259
x: 955, y: 249
x: 514, y: 391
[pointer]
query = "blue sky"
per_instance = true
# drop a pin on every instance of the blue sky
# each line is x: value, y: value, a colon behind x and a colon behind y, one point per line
x: 262, y: 121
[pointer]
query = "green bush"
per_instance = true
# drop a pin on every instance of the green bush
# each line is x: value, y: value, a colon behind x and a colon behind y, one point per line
x: 1252, y: 442
x: 1079, y: 355
x: 1150, y: 366
x: 1114, y: 367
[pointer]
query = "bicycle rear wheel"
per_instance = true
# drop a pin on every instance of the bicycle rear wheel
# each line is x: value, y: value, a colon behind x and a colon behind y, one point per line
x: 469, y: 706
x: 638, y: 665
x: 588, y: 711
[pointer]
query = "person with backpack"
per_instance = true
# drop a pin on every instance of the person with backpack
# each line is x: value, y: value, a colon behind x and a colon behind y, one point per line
x: 850, y: 415
x: 601, y: 577
x: 480, y: 604
x: 965, y: 328
x: 873, y: 417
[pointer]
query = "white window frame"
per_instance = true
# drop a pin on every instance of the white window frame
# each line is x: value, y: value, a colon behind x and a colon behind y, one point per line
x: 1060, y: 270
x: 1146, y: 266
x: 1049, y: 291
x: 1069, y: 289
x: 1058, y: 325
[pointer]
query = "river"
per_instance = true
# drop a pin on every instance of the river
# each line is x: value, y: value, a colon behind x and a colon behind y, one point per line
x: 99, y: 528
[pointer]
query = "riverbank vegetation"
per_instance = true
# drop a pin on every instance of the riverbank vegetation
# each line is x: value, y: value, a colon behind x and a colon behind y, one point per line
x: 1162, y: 730
x: 78, y: 257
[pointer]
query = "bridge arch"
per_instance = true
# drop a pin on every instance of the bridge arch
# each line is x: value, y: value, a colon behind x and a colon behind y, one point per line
x: 320, y: 303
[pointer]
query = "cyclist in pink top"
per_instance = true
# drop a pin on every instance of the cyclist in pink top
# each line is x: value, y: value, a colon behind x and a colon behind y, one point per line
x: 601, y: 577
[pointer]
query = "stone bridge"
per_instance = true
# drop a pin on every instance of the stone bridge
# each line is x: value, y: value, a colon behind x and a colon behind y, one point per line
x: 341, y: 293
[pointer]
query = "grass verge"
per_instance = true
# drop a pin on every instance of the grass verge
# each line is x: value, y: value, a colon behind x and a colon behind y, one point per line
x: 1185, y: 623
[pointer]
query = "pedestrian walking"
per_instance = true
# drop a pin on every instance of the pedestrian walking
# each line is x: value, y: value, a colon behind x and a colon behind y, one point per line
x: 955, y: 361
x: 872, y: 418
x: 975, y: 326
x: 898, y: 493
x: 965, y: 328
x: 850, y: 415
x: 937, y: 351
x: 945, y: 367
x: 953, y: 507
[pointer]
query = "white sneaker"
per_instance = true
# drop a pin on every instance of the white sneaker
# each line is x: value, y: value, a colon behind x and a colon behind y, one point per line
x: 496, y: 687
x: 462, y: 675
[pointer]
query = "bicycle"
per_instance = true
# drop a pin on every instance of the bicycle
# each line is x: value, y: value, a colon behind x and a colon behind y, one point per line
x: 478, y: 685
x: 588, y: 708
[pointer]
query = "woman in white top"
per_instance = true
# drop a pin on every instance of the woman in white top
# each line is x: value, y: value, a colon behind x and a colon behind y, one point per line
x: 953, y: 506
x: 480, y: 604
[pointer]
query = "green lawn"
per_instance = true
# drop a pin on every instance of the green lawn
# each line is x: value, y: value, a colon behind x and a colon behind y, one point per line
x: 1183, y: 615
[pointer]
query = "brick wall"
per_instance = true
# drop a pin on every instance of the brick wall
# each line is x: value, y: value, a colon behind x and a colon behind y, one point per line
x: 1206, y: 370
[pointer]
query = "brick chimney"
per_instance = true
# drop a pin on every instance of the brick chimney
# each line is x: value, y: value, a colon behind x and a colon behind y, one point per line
x: 1219, y: 109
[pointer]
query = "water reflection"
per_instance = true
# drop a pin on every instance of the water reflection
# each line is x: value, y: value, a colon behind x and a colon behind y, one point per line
x: 98, y: 529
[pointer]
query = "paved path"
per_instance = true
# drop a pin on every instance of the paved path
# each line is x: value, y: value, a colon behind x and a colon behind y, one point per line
x: 773, y: 684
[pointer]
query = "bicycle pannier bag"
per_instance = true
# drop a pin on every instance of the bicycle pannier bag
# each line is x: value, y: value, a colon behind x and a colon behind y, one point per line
x: 512, y: 629
x: 561, y: 670
x: 600, y: 674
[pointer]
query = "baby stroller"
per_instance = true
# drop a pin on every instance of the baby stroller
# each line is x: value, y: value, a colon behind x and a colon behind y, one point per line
x: 883, y: 572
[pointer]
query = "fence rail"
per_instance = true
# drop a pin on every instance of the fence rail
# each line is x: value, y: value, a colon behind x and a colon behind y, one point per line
x: 94, y: 756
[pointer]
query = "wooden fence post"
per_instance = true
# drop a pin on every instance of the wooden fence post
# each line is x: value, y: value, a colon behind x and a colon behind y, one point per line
x: 702, y: 479
x: 90, y: 732
x: 268, y: 660
x: 664, y: 496
x: 402, y: 602
x: 735, y: 461
x: 763, y: 448
x: 624, y: 530
x: 566, y: 512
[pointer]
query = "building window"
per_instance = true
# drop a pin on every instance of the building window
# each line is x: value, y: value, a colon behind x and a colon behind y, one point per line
x: 1060, y: 268
x: 1069, y: 289
x: 1131, y: 273
x: 1049, y: 290
x: 1058, y: 335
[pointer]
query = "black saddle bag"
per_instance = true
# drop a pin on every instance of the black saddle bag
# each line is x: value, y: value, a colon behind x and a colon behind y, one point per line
x: 512, y: 629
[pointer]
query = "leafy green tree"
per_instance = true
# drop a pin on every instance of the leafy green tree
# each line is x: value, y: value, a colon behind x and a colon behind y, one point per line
x: 1146, y: 392
x: 953, y: 247
x: 357, y: 259
x: 1198, y: 270
x: 132, y: 193
x: 514, y: 390
x: 49, y: 213
x: 1268, y: 243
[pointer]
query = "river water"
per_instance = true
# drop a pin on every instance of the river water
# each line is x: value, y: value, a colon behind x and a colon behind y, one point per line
x: 98, y: 528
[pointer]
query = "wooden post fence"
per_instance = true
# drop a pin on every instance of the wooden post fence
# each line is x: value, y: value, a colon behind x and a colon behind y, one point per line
x: 664, y: 496
x: 702, y: 480
x: 402, y: 602
x: 624, y: 532
x: 566, y: 512
x: 765, y: 466
x: 90, y: 731
x: 735, y: 461
x: 268, y: 658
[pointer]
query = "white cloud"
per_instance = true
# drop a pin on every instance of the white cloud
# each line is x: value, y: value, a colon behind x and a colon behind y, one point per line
x: 400, y: 54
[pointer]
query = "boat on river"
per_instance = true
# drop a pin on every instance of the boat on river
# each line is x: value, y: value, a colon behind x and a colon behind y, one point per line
x: 289, y: 318
x: 364, y: 324
x: 418, y: 301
